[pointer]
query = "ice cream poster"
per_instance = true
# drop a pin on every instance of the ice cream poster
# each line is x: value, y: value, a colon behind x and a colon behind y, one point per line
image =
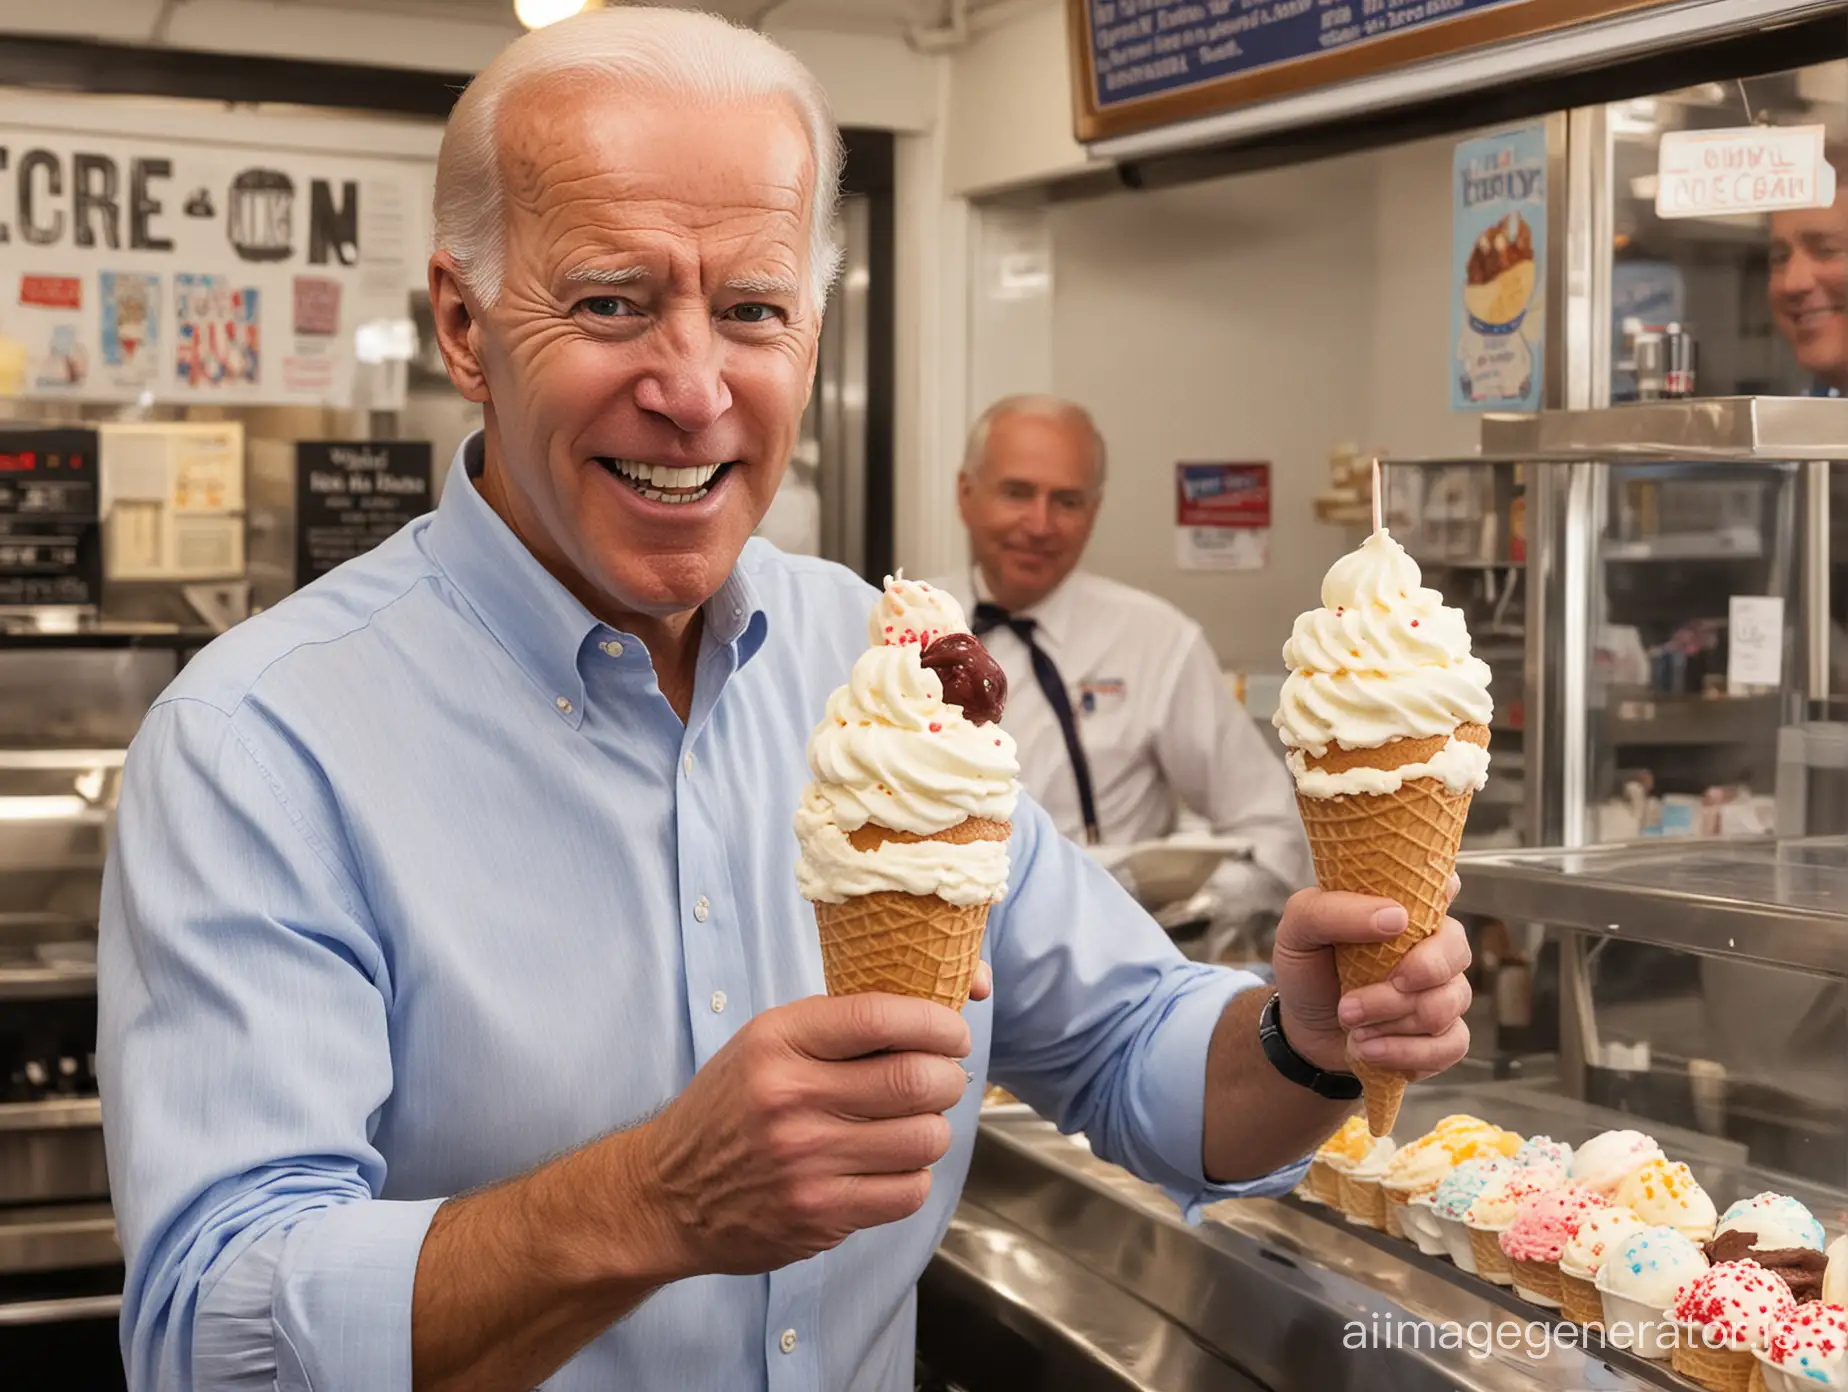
x: 131, y: 326
x: 1222, y: 516
x: 1498, y: 271
x: 145, y: 267
x: 217, y: 333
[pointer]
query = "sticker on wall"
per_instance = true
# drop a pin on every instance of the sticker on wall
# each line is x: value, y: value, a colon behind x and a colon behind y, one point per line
x: 217, y: 335
x: 1498, y: 243
x: 131, y: 326
x: 65, y: 362
x: 1222, y: 516
x: 51, y: 291
x: 317, y: 306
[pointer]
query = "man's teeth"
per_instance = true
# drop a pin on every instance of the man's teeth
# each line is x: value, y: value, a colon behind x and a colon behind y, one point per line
x: 651, y: 480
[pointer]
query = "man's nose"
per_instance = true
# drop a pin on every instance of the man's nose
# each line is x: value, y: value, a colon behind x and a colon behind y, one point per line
x: 686, y: 384
x: 1798, y: 275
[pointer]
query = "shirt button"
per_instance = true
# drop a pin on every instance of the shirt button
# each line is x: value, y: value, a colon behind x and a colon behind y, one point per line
x: 788, y: 1342
x: 702, y: 908
x: 563, y: 705
x: 718, y: 1002
x: 611, y: 649
x: 687, y: 764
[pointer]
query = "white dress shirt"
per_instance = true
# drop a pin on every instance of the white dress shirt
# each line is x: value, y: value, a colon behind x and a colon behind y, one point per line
x: 1159, y: 727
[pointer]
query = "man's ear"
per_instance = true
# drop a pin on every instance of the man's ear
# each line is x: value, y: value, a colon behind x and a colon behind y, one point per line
x: 458, y: 328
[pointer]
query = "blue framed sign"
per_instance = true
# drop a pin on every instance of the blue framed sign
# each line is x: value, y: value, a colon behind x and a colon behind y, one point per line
x: 1144, y: 63
x: 1498, y: 271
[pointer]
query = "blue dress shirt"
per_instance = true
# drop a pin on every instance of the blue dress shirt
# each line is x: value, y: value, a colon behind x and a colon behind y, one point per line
x: 419, y: 881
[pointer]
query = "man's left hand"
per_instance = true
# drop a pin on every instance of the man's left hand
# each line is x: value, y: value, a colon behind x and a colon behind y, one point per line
x: 1411, y: 1023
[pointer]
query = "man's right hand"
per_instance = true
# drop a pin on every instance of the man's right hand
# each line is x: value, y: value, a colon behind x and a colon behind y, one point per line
x: 818, y: 1119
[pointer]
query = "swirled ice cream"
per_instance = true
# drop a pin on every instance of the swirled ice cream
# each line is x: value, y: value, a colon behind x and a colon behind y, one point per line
x: 1383, y: 659
x: 897, y: 763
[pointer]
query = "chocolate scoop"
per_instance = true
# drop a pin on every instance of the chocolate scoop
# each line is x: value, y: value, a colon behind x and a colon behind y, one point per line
x: 1801, y: 1268
x: 971, y: 678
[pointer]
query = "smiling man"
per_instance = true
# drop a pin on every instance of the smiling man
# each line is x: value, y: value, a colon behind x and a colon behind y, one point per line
x: 1809, y: 286
x: 461, y: 1023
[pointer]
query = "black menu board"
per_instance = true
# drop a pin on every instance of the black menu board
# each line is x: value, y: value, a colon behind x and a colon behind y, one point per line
x: 51, y: 546
x: 350, y: 495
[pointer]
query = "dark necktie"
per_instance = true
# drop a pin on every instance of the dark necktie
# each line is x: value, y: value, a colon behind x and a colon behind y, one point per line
x: 992, y: 616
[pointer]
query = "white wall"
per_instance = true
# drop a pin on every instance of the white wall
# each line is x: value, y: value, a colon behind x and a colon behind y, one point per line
x: 1267, y: 317
x: 1009, y: 116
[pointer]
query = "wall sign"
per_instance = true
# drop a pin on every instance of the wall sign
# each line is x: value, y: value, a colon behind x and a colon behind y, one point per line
x: 1751, y: 169
x: 350, y: 496
x: 1222, y: 516
x: 51, y: 549
x: 1144, y: 63
x: 190, y: 273
x: 1498, y: 271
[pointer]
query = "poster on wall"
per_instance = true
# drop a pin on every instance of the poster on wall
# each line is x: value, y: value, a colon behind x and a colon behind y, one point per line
x: 1222, y: 516
x: 180, y: 271
x: 1498, y: 271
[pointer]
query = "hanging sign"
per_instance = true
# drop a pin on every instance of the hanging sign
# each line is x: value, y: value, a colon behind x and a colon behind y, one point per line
x: 186, y: 273
x: 1753, y: 169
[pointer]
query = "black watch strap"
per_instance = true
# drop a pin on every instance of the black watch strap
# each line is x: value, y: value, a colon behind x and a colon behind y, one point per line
x: 1337, y: 1087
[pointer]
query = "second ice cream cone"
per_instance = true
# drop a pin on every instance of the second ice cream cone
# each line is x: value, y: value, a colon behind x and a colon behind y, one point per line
x: 908, y: 944
x: 1401, y: 845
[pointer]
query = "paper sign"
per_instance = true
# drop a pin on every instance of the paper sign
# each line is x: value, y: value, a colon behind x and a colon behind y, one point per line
x: 1498, y: 271
x: 1222, y: 516
x: 1751, y: 169
x: 1755, y: 641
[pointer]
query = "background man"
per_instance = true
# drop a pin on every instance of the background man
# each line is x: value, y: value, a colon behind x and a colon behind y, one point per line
x: 1115, y: 697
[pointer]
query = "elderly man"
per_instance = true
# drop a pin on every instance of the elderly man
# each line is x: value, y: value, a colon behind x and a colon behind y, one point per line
x: 460, y: 1014
x: 1116, y: 699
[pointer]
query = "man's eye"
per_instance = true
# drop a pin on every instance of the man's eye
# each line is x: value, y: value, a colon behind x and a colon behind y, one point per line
x: 605, y: 306
x: 755, y: 313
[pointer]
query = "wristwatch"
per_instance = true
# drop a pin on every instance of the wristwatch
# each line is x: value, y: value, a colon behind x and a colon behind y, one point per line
x: 1337, y: 1087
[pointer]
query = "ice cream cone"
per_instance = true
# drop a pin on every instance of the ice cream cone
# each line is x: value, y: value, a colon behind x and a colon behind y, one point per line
x: 1400, y: 845
x: 1537, y: 1281
x: 1492, y: 1263
x: 1363, y: 1201
x: 908, y: 944
x: 1580, y: 1302
x: 1326, y: 1183
x: 1717, y: 1369
x: 1397, y: 1200
x: 1757, y: 1384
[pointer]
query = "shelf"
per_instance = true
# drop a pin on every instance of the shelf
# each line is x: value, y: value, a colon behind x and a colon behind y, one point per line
x: 1715, y: 430
x: 64, y: 1114
x: 1742, y: 546
x: 1779, y: 903
x: 1691, y: 720
x: 47, y: 983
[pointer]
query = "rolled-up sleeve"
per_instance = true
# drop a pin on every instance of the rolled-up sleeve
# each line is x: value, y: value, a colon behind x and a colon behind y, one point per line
x: 1101, y: 1024
x: 243, y: 1056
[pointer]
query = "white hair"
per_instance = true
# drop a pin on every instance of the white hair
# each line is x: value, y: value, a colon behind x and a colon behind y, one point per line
x: 680, y: 53
x: 1042, y: 407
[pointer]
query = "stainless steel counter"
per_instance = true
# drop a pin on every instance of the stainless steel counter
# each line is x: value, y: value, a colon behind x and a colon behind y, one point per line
x: 1097, y: 1267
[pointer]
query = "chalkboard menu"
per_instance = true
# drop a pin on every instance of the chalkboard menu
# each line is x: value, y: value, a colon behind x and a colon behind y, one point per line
x: 351, y: 495
x: 1144, y: 63
x: 51, y: 547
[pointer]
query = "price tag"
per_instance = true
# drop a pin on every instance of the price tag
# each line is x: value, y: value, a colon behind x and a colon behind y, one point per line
x: 1751, y: 169
x: 1755, y: 633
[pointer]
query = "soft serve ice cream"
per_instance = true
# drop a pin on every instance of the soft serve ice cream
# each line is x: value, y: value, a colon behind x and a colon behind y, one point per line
x: 1383, y: 660
x: 1385, y: 718
x: 904, y: 828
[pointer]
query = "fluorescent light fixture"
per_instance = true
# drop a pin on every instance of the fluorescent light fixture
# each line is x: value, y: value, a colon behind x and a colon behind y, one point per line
x: 536, y: 14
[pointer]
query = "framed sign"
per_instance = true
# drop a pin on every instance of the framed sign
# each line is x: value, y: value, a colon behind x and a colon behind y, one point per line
x: 1137, y: 64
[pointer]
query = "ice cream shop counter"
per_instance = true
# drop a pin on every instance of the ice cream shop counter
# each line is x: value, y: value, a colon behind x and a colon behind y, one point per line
x: 1062, y: 1271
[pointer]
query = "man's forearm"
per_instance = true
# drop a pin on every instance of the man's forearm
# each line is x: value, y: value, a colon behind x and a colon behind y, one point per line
x: 514, y: 1280
x: 1241, y: 1084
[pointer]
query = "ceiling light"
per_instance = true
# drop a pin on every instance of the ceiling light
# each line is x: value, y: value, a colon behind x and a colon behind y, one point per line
x: 536, y: 14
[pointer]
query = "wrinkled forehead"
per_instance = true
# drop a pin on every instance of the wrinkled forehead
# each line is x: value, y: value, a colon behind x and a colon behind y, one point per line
x: 583, y: 158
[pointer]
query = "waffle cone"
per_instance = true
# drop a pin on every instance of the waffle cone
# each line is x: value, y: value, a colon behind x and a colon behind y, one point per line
x: 1757, y: 1383
x: 1363, y: 1201
x: 907, y: 944
x: 1580, y: 1302
x: 1717, y: 1369
x: 1399, y: 846
x: 1325, y: 1180
x: 1540, y: 1277
x: 1395, y: 1202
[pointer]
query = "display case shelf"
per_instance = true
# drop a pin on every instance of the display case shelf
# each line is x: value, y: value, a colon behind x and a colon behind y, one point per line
x: 1774, y: 902
x: 1691, y: 720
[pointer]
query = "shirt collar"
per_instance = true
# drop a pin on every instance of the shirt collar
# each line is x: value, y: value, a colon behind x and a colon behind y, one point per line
x: 541, y: 624
x: 1051, y: 616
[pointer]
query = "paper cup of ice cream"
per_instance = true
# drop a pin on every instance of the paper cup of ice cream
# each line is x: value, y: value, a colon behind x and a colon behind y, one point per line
x: 1805, y: 1350
x: 1421, y: 1226
x: 1583, y: 1256
x: 1638, y: 1283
